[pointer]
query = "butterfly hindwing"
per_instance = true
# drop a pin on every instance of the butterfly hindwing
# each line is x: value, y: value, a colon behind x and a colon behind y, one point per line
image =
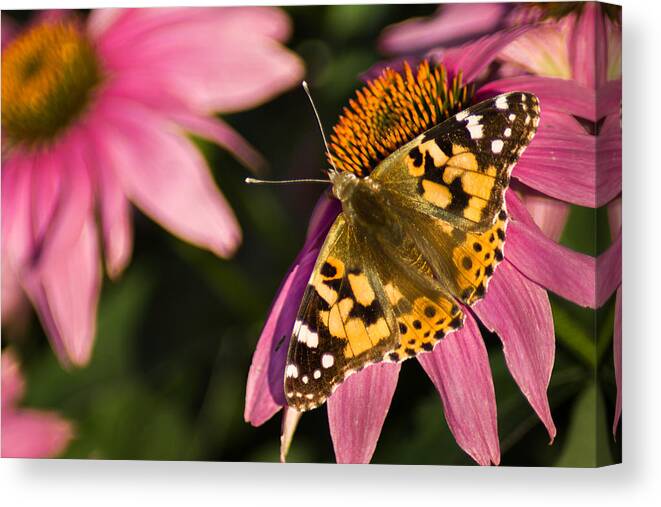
x: 458, y: 170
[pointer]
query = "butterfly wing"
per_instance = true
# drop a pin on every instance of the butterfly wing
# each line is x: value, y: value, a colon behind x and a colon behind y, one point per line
x: 458, y: 171
x: 368, y: 300
x: 343, y: 322
x: 450, y: 182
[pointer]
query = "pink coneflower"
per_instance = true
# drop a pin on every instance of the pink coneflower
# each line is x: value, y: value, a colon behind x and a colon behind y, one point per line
x: 28, y: 433
x: 95, y: 116
x: 516, y: 305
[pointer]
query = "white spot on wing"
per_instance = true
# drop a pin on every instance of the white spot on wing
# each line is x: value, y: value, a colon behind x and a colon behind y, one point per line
x: 512, y: 117
x: 327, y: 360
x: 310, y: 338
x: 508, y: 132
x: 497, y: 146
x: 462, y: 115
x: 475, y: 131
x: 292, y: 371
x: 316, y: 374
x: 501, y: 102
x: 305, y: 379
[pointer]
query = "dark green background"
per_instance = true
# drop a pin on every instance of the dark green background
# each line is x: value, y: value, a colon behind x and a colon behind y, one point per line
x: 176, y: 333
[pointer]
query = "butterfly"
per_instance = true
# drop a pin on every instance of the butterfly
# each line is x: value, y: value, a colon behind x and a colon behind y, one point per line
x: 416, y: 241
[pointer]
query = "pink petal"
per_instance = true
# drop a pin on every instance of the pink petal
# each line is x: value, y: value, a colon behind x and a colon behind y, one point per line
x: 290, y: 418
x: 617, y: 357
x: 472, y: 58
x: 357, y: 410
x: 265, y: 389
x: 609, y: 271
x: 609, y: 160
x: 163, y: 174
x: 519, y: 311
x: 68, y: 201
x: 541, y: 51
x: 555, y: 94
x: 450, y: 23
x: 459, y: 368
x: 13, y: 384
x: 549, y: 214
x: 115, y: 212
x: 34, y: 434
x: 14, y: 305
x: 553, y: 266
x: 65, y: 293
x: 561, y: 165
x: 588, y: 47
x: 224, y: 60
x: 225, y: 136
x: 17, y: 239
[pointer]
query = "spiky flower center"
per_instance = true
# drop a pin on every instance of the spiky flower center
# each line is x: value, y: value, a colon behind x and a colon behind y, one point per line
x: 392, y: 110
x: 48, y: 74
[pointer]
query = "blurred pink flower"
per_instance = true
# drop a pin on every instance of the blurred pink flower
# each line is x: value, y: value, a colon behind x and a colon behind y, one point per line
x: 95, y: 116
x: 450, y: 25
x: 28, y: 433
x: 516, y: 305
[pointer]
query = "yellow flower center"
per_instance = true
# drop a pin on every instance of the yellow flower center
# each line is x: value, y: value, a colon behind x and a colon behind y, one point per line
x: 48, y: 74
x: 392, y: 110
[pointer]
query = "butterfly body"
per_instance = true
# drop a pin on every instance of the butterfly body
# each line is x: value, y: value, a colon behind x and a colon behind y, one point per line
x: 417, y: 239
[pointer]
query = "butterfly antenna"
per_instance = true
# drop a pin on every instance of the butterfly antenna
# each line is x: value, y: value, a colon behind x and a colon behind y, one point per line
x: 285, y: 182
x: 321, y: 127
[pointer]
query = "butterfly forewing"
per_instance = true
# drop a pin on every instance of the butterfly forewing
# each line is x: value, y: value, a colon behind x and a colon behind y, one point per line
x: 458, y: 171
x: 344, y: 321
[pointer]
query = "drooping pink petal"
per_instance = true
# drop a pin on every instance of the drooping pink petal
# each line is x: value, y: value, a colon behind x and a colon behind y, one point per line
x: 34, y: 434
x: 290, y: 418
x: 519, y: 311
x: 549, y: 214
x: 13, y: 299
x: 554, y: 94
x: 609, y: 159
x: 68, y: 202
x: 459, y: 368
x: 451, y: 22
x: 561, y: 165
x: 216, y: 130
x: 357, y: 410
x: 541, y: 51
x: 609, y: 271
x: 17, y: 241
x: 265, y: 389
x: 247, y: 69
x: 114, y: 210
x: 164, y: 175
x: 617, y: 357
x: 65, y: 293
x: 588, y: 47
x: 472, y: 58
x: 553, y: 266
x: 124, y: 27
x: 13, y: 384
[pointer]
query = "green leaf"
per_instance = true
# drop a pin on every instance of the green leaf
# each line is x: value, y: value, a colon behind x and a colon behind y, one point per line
x: 587, y: 443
